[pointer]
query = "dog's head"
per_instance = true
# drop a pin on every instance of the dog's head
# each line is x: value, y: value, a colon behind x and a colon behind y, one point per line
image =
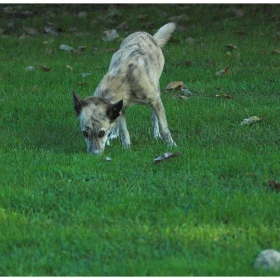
x: 98, y: 120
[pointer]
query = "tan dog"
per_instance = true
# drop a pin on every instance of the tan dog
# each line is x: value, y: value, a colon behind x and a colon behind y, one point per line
x: 133, y: 78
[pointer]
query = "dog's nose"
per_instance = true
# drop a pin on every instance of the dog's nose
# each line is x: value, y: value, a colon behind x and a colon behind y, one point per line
x: 95, y: 152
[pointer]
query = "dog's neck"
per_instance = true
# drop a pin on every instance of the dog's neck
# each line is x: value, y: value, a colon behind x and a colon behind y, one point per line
x: 112, y: 88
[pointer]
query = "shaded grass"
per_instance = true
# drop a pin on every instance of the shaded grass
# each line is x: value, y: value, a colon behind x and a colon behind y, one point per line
x: 208, y: 212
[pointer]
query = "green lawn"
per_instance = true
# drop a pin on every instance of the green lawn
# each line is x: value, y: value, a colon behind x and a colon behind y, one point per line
x: 208, y: 212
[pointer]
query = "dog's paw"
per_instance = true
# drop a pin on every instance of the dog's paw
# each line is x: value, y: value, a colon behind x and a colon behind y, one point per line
x: 126, y: 145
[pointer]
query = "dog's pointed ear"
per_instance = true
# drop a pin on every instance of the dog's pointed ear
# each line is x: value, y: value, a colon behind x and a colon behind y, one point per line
x: 78, y: 103
x: 114, y: 110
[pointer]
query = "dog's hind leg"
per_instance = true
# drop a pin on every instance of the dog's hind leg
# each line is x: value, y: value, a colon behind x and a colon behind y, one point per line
x: 160, y: 113
x: 124, y: 134
x: 155, y: 125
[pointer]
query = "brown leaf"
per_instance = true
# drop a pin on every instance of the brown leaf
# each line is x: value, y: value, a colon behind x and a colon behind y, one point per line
x: 276, y: 51
x: 44, y: 68
x: 166, y: 156
x: 274, y: 185
x: 30, y: 31
x: 278, y: 35
x: 240, y: 32
x: 183, y: 97
x: 175, y: 85
x: 148, y: 25
x: 84, y: 84
x: 224, y: 71
x: 76, y: 51
x: 143, y: 17
x: 123, y: 26
x: 35, y: 88
x: 178, y: 18
x: 110, y: 50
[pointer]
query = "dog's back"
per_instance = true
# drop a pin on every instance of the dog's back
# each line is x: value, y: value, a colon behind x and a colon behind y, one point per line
x: 136, y: 67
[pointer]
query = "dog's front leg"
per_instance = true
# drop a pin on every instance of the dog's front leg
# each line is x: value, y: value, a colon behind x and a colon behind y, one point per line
x: 123, y: 130
x: 164, y: 131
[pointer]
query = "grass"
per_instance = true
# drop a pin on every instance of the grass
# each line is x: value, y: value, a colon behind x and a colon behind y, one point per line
x: 208, y: 212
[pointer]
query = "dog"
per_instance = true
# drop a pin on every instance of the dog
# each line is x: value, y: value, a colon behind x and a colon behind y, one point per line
x: 132, y: 79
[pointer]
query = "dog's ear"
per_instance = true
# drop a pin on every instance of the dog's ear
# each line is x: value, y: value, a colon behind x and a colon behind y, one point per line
x: 78, y: 103
x: 114, y: 110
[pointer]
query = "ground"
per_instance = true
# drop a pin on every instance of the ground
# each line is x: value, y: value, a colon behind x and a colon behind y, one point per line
x: 207, y: 212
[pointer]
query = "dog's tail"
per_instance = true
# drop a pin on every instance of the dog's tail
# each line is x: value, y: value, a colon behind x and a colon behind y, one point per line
x: 164, y: 33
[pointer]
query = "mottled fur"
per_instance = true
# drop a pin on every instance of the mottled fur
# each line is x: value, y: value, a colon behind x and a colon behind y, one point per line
x: 133, y: 78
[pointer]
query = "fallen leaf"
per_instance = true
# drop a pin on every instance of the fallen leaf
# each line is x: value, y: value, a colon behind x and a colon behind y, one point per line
x: 178, y: 18
x: 111, y: 50
x: 183, y: 97
x: 30, y: 31
x: 232, y: 46
x: 44, y: 68
x: 51, y: 29
x: 110, y: 35
x: 142, y: 17
x: 123, y: 26
x: 76, y: 51
x: 69, y: 67
x: 237, y: 56
x: 82, y: 48
x: 226, y: 96
x: 224, y: 71
x: 86, y: 74
x: 82, y: 14
x: 148, y: 25
x: 276, y: 51
x: 190, y: 40
x: 66, y: 48
x: 183, y: 27
x: 29, y: 68
x: 251, y: 120
x: 278, y: 35
x: 274, y: 185
x: 84, y: 84
x: 166, y: 156
x: 239, y: 13
x: 50, y: 51
x: 240, y: 32
x: 35, y: 88
x: 174, y: 85
x: 186, y: 91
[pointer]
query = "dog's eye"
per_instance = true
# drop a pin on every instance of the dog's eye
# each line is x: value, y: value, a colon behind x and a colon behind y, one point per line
x: 85, y: 134
x: 101, y: 133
